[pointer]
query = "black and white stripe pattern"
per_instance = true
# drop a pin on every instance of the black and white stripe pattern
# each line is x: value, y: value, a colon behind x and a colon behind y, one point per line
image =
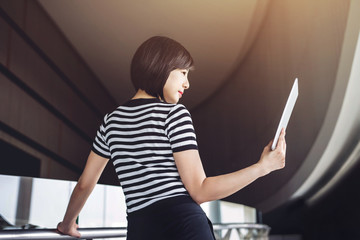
x: 140, y: 137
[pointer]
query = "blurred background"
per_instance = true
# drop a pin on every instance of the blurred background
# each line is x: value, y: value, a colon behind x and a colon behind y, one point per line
x: 64, y: 64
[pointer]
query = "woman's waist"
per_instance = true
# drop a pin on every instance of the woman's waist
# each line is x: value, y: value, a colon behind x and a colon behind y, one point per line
x: 163, y: 205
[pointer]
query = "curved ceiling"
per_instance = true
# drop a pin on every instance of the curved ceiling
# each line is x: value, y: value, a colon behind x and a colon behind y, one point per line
x: 106, y: 34
x: 247, y: 54
x: 298, y: 39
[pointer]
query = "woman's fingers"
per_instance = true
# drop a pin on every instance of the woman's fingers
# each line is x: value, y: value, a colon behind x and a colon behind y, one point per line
x: 282, y: 143
x: 72, y: 231
x: 76, y: 234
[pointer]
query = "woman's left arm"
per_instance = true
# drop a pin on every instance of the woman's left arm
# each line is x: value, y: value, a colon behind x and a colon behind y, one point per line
x: 94, y: 167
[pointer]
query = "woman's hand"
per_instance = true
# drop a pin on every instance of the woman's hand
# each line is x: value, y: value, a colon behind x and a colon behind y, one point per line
x: 274, y: 160
x: 69, y: 229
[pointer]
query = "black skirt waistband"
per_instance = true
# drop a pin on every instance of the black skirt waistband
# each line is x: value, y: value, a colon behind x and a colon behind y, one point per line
x: 161, y: 205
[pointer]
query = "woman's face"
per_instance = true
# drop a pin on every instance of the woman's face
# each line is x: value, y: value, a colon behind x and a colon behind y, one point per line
x: 175, y: 85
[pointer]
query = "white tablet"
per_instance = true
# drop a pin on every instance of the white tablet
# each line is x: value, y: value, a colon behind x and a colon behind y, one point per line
x: 287, y: 112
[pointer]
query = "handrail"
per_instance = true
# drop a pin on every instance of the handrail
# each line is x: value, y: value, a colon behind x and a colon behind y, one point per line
x: 223, y: 226
x: 223, y: 231
x: 91, y: 233
x: 50, y: 234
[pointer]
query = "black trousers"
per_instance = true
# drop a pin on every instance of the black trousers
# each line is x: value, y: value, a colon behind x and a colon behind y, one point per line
x: 177, y: 218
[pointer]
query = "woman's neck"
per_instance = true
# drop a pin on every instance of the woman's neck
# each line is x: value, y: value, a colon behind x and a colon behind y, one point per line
x: 142, y: 94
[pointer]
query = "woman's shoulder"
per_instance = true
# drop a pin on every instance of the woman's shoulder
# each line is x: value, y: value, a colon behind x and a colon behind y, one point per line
x: 140, y: 105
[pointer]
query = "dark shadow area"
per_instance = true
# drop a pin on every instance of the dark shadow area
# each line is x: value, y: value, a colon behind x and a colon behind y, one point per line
x: 334, y: 217
x: 288, y: 219
x: 16, y: 162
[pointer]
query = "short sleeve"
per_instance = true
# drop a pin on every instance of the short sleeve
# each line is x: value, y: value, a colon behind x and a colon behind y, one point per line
x: 180, y: 130
x: 100, y: 145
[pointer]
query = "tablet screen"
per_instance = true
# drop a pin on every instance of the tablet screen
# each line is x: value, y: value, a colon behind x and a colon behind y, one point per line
x: 287, y: 112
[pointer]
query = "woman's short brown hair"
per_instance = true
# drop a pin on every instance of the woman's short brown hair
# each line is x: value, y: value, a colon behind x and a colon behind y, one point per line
x: 154, y: 60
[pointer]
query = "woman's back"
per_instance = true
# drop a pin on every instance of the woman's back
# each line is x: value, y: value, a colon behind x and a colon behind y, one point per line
x: 140, y: 137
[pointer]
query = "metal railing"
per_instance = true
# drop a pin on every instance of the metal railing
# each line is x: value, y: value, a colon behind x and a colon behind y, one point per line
x: 42, y: 234
x: 248, y: 231
x: 222, y: 232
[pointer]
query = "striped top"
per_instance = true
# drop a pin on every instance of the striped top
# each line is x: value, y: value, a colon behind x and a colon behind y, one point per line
x: 140, y: 138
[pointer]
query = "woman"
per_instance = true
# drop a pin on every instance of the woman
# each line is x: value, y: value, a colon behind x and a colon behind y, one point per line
x: 151, y: 141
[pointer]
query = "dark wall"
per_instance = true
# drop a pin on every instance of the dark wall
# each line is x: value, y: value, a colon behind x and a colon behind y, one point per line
x: 51, y: 103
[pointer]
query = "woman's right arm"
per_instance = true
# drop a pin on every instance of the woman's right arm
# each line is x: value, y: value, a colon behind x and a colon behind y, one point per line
x: 94, y: 167
x: 204, y: 189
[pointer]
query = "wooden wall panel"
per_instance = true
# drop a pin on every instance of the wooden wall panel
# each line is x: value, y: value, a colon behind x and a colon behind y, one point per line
x: 29, y: 67
x: 50, y: 101
x: 59, y: 50
x: 4, y: 38
x: 57, y: 171
x: 72, y: 147
x: 16, y: 10
x: 25, y: 115
x: 5, y: 97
